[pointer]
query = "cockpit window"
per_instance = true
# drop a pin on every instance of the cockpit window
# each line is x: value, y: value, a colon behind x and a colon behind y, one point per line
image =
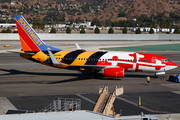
x: 165, y: 60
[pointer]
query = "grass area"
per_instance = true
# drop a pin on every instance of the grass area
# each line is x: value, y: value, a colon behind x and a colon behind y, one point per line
x: 166, y: 47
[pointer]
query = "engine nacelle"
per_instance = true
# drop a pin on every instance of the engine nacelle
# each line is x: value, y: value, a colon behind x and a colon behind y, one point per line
x: 113, y: 72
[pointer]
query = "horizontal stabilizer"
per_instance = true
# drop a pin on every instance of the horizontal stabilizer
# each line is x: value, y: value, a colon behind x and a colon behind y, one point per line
x: 27, y: 53
x: 53, y: 58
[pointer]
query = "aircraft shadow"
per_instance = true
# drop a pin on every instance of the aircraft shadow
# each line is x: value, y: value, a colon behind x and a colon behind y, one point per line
x: 68, y: 80
x: 13, y: 72
x: 84, y: 75
x: 79, y: 78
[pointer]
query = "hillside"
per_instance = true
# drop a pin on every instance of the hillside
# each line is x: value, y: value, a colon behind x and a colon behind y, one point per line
x: 133, y: 9
x: 86, y: 10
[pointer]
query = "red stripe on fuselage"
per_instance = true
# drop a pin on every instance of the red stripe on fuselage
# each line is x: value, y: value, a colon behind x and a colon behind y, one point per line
x: 26, y: 38
x: 129, y: 64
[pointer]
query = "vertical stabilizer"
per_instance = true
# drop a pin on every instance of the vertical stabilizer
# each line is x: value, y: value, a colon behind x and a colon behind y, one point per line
x: 30, y: 41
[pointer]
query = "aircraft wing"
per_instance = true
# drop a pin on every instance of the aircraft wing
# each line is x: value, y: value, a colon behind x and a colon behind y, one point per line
x: 92, y: 67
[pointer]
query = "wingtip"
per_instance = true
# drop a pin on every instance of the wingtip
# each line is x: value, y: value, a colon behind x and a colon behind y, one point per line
x: 77, y: 46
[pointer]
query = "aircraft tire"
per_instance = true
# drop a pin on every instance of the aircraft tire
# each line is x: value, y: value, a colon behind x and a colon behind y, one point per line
x: 177, y: 80
x: 170, y: 78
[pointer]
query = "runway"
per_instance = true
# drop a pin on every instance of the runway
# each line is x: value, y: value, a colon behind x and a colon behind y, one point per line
x: 26, y: 84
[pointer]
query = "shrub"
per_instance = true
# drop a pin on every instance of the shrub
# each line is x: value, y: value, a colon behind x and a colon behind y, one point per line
x: 68, y: 30
x: 176, y: 31
x: 82, y: 30
x: 8, y: 30
x: 123, y: 14
x: 53, y: 30
x: 138, y: 31
x: 97, y: 31
x: 124, y: 31
x: 151, y: 31
x: 111, y: 31
x: 15, y: 31
x: 4, y: 31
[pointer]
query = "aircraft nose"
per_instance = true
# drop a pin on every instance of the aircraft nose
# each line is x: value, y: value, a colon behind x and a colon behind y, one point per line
x: 173, y: 65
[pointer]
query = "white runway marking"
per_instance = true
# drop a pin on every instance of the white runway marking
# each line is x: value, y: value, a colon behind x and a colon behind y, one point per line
x: 175, y: 85
x: 177, y: 92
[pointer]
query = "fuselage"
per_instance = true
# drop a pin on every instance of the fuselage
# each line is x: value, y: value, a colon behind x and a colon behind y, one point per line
x: 129, y: 61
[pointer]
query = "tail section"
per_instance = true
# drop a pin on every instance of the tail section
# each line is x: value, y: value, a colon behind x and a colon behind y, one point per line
x: 28, y: 37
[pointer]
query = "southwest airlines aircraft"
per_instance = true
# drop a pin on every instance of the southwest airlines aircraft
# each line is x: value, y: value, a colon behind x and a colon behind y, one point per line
x: 110, y: 64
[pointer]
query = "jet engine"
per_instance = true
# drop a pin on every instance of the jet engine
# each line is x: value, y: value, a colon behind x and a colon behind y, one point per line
x: 113, y: 72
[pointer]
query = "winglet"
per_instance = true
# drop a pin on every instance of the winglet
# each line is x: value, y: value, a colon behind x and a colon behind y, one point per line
x: 78, y: 47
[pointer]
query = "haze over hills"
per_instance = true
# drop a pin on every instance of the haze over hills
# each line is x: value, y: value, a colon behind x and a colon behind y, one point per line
x: 101, y: 9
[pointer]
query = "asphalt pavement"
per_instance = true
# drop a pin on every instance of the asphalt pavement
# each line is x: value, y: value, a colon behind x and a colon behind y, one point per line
x: 32, y: 86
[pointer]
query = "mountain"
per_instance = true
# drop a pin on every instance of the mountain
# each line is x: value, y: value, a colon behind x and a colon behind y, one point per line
x: 86, y: 10
x: 132, y: 8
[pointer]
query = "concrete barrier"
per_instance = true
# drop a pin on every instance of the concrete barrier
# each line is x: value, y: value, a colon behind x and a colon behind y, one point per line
x: 14, y: 36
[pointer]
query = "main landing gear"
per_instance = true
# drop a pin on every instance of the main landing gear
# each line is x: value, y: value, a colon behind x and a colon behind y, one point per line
x: 93, y: 74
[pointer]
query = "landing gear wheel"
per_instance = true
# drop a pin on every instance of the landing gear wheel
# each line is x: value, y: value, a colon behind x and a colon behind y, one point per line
x: 93, y: 74
x: 170, y: 78
x: 156, y: 76
x: 176, y: 80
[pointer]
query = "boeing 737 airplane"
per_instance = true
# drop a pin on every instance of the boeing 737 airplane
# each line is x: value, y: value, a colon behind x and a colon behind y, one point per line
x: 110, y: 64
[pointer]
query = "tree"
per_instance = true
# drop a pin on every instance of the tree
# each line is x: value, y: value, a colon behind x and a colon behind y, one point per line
x: 8, y: 30
x: 4, y: 7
x: 165, y: 24
x: 96, y: 22
x: 151, y: 31
x: 68, y: 30
x: 82, y: 30
x: 123, y: 14
x: 124, y: 31
x: 38, y: 25
x: 176, y: 31
x: 53, y: 30
x: 138, y: 31
x: 97, y: 31
x: 111, y: 31
x: 85, y: 8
